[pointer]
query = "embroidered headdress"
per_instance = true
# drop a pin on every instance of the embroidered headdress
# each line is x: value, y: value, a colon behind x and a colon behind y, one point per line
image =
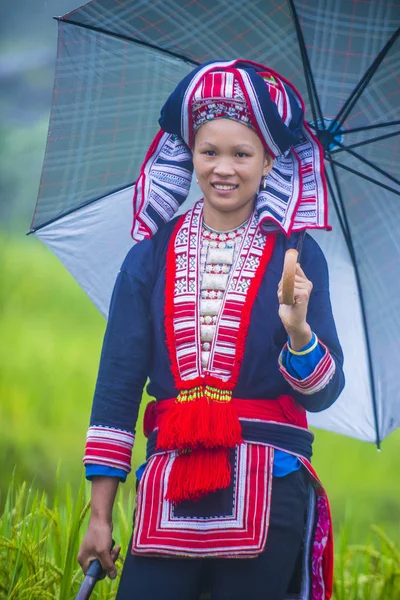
x: 219, y: 96
x: 295, y: 197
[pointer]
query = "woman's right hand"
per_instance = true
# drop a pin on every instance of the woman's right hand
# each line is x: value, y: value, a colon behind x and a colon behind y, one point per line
x: 97, y: 545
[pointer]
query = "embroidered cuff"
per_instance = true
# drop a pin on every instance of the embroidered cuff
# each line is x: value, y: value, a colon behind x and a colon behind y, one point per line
x: 310, y: 347
x: 317, y: 380
x: 109, y: 447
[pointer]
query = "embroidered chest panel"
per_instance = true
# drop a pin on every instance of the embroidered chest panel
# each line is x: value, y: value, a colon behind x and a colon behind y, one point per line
x: 224, y: 297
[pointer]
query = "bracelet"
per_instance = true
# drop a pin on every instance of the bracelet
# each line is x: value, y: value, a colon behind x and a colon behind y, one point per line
x: 303, y: 352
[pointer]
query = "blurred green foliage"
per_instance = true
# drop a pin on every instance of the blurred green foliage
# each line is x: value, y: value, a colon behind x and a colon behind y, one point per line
x: 51, y: 341
x: 40, y: 539
x: 22, y: 150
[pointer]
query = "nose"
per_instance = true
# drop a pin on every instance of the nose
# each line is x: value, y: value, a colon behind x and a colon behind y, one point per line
x: 223, y: 167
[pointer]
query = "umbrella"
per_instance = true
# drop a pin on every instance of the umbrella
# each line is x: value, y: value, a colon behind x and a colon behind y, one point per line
x: 119, y: 60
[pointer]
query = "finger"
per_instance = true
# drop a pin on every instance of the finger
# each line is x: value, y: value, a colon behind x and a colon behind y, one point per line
x: 304, y: 287
x: 299, y: 270
x: 115, y: 553
x: 300, y: 273
x: 300, y: 292
x: 85, y: 563
x: 107, y: 563
x: 302, y: 279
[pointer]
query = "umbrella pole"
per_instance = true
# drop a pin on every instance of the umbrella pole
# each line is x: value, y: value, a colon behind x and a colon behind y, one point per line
x: 93, y: 574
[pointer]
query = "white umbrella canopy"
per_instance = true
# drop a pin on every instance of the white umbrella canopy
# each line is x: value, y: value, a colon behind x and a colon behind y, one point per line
x: 116, y: 65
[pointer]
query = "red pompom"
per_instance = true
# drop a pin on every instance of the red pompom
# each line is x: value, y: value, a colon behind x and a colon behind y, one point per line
x: 201, y: 423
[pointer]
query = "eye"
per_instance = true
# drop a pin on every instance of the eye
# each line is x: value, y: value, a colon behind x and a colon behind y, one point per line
x: 209, y: 152
x: 241, y: 154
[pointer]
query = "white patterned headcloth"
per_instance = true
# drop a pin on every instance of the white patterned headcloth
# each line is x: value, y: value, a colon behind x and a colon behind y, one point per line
x: 295, y: 197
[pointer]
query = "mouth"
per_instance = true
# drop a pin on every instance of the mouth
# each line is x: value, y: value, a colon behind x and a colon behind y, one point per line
x: 224, y: 187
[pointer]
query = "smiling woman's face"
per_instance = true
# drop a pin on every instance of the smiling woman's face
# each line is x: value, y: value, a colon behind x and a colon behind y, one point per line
x: 230, y: 162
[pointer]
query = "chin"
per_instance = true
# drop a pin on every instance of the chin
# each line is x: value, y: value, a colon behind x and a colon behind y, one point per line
x: 227, y: 205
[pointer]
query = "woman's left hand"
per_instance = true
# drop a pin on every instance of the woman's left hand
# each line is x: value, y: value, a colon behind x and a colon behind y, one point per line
x: 294, y: 317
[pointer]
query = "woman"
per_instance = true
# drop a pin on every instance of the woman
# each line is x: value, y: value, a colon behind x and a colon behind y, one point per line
x: 228, y: 500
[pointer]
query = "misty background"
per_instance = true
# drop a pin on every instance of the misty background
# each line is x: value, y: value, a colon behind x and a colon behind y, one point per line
x: 28, y: 50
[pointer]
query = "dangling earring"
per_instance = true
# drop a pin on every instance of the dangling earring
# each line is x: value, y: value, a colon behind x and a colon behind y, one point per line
x: 265, y: 182
x: 197, y: 181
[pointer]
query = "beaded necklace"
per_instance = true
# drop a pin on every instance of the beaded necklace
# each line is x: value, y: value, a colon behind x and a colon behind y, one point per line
x: 218, y: 253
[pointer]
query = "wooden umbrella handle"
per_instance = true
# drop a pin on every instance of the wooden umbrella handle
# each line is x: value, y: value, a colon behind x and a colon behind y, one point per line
x: 288, y: 275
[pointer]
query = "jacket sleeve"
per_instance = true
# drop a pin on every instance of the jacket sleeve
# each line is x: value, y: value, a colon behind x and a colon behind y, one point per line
x: 302, y: 363
x: 319, y: 389
x: 124, y: 364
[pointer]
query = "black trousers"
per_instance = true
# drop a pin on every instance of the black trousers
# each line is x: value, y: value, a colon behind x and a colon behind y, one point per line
x: 266, y: 577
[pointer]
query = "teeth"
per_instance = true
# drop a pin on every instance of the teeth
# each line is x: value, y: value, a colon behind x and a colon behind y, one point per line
x: 224, y: 187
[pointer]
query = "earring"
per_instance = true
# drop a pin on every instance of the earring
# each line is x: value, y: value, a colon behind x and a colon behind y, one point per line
x: 265, y: 182
x: 197, y: 181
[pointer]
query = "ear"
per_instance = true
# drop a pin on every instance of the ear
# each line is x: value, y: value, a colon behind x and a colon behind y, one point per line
x: 268, y: 164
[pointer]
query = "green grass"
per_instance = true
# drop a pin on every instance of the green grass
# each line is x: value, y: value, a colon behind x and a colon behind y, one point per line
x: 51, y: 339
x: 39, y: 541
x: 48, y: 357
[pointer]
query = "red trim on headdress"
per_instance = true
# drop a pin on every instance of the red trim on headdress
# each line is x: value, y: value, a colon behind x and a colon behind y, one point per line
x: 141, y: 182
x: 300, y: 186
x: 251, y: 110
x: 321, y: 155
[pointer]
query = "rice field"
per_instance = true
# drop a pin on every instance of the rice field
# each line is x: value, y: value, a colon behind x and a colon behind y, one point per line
x: 39, y: 541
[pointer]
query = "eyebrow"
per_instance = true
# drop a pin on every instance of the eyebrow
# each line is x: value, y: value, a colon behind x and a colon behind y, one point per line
x: 236, y: 147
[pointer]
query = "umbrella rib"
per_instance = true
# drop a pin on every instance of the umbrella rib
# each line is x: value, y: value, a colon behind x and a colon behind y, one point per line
x: 311, y: 87
x: 76, y: 208
x: 369, y: 127
x: 127, y: 38
x: 362, y: 303
x: 362, y: 84
x: 362, y: 175
x: 369, y: 141
x: 369, y: 163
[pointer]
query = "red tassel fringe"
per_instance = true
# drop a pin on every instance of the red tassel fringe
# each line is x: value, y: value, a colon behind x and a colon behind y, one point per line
x: 199, y: 424
x: 197, y: 473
